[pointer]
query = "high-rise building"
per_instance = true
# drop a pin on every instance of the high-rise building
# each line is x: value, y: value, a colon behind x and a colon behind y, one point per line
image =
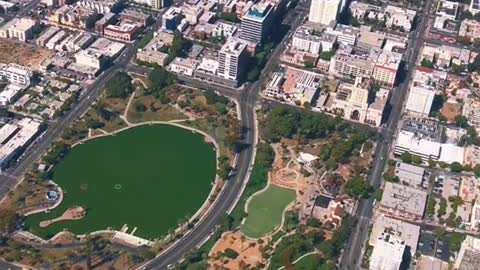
x: 469, y: 255
x: 232, y: 59
x: 256, y: 23
x: 324, y: 11
x: 387, y: 253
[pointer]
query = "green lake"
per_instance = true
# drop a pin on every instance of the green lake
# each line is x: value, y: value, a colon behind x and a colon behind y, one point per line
x: 149, y: 177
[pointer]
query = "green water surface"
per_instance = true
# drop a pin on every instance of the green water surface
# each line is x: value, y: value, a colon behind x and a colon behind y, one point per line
x: 149, y: 177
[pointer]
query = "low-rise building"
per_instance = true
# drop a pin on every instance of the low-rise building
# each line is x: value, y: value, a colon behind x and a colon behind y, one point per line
x: 124, y: 32
x: 469, y: 29
x: 420, y: 100
x: 403, y: 201
x: 446, y: 11
x: 347, y: 64
x: 21, y: 29
x: 16, y: 74
x: 410, y: 175
x: 399, y: 17
x: 46, y: 36
x: 183, y: 66
x: 134, y: 17
x: 410, y: 142
x: 16, y: 137
x: 109, y: 18
x: 469, y: 255
x: 371, y: 40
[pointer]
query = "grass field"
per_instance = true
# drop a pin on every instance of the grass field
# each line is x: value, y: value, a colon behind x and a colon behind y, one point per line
x: 265, y: 211
x: 148, y: 177
x: 309, y: 262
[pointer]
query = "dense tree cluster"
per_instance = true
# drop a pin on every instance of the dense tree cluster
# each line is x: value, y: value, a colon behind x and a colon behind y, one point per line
x: 120, y: 86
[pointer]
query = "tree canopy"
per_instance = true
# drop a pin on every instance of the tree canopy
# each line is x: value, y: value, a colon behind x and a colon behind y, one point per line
x: 120, y: 86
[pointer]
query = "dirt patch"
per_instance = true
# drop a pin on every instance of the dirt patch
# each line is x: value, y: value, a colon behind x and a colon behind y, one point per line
x: 249, y: 252
x: 451, y: 110
x: 12, y: 51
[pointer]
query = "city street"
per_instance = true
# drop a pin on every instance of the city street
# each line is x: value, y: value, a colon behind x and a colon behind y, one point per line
x: 353, y: 252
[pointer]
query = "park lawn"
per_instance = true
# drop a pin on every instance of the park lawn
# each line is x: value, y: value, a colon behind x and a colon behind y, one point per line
x: 265, y: 211
x: 309, y: 262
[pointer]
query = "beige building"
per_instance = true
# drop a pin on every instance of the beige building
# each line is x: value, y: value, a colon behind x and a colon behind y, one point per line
x: 403, y: 201
x: 386, y: 68
x: 21, y: 29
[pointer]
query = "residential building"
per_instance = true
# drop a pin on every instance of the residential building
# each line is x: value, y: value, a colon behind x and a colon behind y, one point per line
x: 371, y: 40
x: 386, y: 68
x: 399, y: 17
x: 16, y: 137
x: 407, y: 232
x: 224, y: 29
x: 446, y: 11
x: 46, y: 36
x: 16, y: 74
x: 232, y: 59
x: 410, y: 175
x: 305, y: 40
x: 324, y: 11
x: 420, y: 100
x: 10, y: 93
x: 18, y: 28
x: 469, y: 255
x: 102, y: 7
x: 109, y: 18
x: 353, y: 65
x: 471, y: 110
x: 469, y: 29
x: 192, y: 13
x: 156, y: 4
x: 346, y: 34
x: 90, y: 58
x: 135, y: 17
x: 403, y: 201
x: 474, y: 7
x: 387, y: 253
x: 257, y: 22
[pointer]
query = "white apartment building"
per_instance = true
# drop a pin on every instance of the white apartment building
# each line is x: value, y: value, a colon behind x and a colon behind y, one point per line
x: 345, y: 64
x: 89, y: 58
x: 399, y: 17
x: 386, y: 68
x: 420, y: 100
x: 387, y: 253
x: 156, y: 4
x: 474, y: 6
x: 232, y: 59
x: 21, y: 29
x: 346, y: 34
x: 324, y: 11
x: 304, y: 40
x: 16, y: 74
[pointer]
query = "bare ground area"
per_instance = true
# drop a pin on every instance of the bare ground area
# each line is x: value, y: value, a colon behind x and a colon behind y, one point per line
x: 12, y: 51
